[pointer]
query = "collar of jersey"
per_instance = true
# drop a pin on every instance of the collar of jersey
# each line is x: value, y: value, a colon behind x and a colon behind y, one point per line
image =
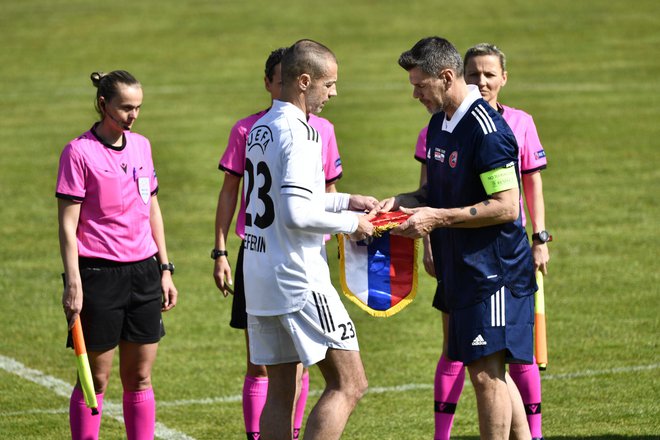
x: 473, y: 95
x: 107, y: 145
x: 286, y: 106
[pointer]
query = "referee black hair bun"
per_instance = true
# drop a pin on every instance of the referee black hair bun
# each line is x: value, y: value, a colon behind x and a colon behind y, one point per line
x: 96, y: 78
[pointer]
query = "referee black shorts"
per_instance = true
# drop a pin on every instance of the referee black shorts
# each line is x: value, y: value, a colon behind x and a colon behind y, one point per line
x: 238, y: 313
x: 121, y: 301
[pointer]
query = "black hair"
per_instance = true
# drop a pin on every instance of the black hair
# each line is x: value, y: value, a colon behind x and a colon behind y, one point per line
x: 106, y: 85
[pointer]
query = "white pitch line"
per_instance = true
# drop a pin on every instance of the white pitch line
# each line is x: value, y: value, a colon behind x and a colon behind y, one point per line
x: 422, y: 386
x: 50, y: 382
x: 63, y: 389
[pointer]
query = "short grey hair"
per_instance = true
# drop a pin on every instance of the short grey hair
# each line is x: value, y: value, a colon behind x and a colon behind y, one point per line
x: 432, y: 55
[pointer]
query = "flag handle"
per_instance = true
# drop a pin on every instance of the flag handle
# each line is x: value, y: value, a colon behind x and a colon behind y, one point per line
x: 540, y: 340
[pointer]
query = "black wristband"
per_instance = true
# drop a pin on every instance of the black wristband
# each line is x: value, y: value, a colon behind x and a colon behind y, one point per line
x: 217, y: 253
x: 168, y: 266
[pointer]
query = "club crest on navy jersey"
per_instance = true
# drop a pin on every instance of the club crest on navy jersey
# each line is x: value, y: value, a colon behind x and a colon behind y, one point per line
x: 261, y: 137
x: 453, y: 159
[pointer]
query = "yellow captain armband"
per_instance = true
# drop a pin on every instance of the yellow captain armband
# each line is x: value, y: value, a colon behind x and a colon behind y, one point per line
x: 499, y: 179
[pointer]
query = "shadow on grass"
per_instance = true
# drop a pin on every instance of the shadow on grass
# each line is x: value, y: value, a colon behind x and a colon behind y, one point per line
x: 583, y: 437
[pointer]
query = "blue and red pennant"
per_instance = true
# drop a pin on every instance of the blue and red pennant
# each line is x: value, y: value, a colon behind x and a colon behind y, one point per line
x: 379, y: 276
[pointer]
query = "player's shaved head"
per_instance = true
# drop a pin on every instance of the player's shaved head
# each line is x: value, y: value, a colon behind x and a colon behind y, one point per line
x: 305, y: 56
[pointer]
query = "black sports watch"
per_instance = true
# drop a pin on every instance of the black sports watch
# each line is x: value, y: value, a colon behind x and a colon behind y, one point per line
x: 216, y: 253
x: 542, y: 237
x: 168, y: 266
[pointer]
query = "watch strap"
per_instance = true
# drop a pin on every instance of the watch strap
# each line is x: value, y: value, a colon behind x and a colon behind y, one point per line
x: 217, y: 253
x: 167, y: 266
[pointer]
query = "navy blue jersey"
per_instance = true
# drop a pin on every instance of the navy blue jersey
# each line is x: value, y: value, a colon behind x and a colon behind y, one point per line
x: 473, y: 263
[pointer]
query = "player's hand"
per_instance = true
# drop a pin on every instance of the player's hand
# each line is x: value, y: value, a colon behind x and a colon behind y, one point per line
x: 365, y: 228
x: 222, y: 275
x: 387, y: 205
x: 428, y: 257
x: 420, y: 224
x: 72, y: 301
x: 358, y: 202
x: 541, y: 257
x: 170, y: 294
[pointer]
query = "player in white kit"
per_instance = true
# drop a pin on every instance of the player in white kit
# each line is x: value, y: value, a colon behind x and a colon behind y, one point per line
x: 295, y: 316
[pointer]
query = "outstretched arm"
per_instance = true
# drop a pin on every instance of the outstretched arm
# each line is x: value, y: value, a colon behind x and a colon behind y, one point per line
x: 299, y: 212
x: 502, y: 207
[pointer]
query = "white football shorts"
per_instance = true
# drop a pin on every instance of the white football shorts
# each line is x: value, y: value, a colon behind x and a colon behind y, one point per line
x: 302, y: 336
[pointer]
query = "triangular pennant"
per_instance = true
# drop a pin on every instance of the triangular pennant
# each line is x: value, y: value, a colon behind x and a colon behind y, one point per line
x: 379, y: 276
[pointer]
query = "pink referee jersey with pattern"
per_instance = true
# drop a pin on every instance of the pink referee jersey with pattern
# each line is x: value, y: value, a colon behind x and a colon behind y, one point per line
x: 233, y: 159
x: 531, y: 154
x: 114, y: 186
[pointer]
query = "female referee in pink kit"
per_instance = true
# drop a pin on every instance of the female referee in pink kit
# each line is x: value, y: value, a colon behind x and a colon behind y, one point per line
x: 485, y: 67
x: 118, y: 277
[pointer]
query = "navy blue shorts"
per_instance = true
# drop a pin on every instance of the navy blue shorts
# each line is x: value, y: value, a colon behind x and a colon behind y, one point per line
x: 439, y: 299
x: 238, y: 313
x: 121, y: 301
x: 501, y: 322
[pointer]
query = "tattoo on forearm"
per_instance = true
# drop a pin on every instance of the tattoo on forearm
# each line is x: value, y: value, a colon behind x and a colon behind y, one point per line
x: 486, y: 202
x: 473, y: 211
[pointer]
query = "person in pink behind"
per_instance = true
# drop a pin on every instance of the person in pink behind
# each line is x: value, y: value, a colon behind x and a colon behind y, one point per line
x: 117, y: 276
x: 255, y: 385
x: 485, y: 66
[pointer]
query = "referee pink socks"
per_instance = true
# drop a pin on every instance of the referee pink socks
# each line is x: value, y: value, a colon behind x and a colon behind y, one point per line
x: 449, y: 381
x: 140, y: 414
x: 84, y: 426
x: 528, y: 380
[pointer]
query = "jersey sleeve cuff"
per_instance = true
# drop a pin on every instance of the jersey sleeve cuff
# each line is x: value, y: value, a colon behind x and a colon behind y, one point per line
x: 333, y: 179
x: 69, y: 197
x: 533, y: 170
x: 230, y: 171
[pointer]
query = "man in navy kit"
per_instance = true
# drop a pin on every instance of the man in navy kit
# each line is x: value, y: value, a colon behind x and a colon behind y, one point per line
x: 470, y: 206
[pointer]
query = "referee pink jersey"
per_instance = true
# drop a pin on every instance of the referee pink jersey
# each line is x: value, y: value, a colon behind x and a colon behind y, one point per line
x: 114, y: 186
x: 531, y: 154
x: 233, y: 159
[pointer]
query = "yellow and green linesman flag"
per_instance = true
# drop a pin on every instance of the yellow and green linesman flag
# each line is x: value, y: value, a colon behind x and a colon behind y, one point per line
x: 84, y: 371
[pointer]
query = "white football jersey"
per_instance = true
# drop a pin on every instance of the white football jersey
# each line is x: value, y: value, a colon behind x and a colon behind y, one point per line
x: 281, y: 264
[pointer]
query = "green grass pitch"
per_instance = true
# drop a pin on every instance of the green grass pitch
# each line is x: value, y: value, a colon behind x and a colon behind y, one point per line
x: 586, y: 70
